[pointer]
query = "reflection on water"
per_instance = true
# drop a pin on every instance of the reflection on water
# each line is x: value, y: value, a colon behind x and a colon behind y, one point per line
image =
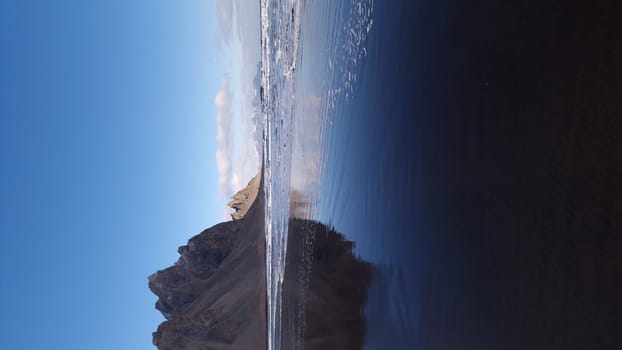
x: 324, y: 291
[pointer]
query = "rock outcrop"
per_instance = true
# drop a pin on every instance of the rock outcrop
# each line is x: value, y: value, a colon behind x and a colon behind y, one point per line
x: 243, y: 199
x: 213, y: 297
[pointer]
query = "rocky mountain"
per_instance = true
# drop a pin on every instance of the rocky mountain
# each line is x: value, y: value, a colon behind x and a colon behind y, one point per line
x: 213, y: 297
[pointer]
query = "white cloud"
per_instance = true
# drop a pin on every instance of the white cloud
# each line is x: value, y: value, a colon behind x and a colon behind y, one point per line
x: 224, y: 140
x: 238, y: 155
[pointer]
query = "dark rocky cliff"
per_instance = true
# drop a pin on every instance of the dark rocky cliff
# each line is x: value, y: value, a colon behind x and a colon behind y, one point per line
x: 213, y: 297
x: 181, y: 284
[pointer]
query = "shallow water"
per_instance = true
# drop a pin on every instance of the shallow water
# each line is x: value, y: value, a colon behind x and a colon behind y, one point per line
x: 470, y: 153
x: 296, y: 105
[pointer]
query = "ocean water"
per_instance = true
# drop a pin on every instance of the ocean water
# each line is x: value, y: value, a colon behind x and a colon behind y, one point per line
x: 286, y: 98
x: 471, y: 152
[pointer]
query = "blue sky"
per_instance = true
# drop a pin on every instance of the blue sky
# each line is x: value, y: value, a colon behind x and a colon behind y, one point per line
x: 107, y: 160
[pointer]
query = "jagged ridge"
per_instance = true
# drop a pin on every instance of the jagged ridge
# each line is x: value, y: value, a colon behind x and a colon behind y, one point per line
x: 213, y: 297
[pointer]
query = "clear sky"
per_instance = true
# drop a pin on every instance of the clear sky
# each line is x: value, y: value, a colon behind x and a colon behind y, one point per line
x: 107, y: 162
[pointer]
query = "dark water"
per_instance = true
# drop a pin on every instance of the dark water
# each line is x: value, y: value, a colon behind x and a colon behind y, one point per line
x: 477, y: 163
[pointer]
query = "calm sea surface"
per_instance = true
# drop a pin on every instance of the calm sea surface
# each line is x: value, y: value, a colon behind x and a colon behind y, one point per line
x: 470, y: 150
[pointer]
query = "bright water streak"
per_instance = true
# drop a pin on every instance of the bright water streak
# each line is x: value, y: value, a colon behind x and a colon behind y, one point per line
x: 280, y: 31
